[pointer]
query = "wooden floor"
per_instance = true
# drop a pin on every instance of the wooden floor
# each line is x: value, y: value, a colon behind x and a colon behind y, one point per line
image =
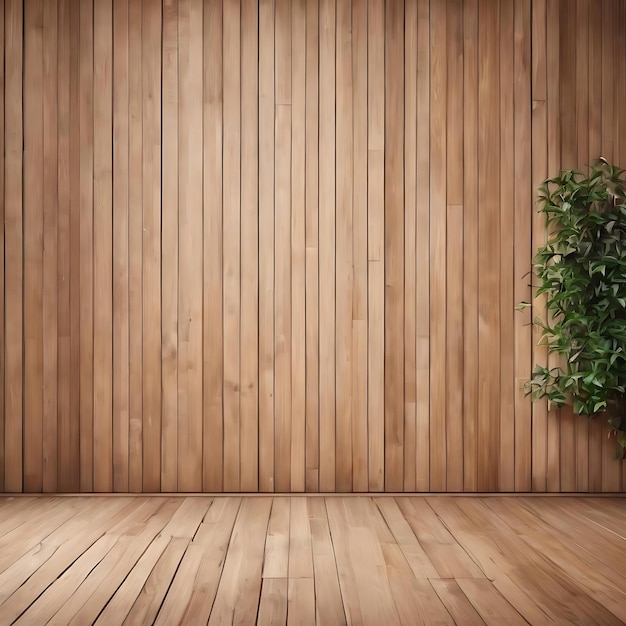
x: 306, y: 560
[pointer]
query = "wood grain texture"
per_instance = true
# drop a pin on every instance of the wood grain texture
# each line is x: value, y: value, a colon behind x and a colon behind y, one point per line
x: 262, y: 245
x: 326, y: 233
x: 169, y: 243
x: 194, y: 559
x: 232, y: 240
x: 212, y: 331
x: 470, y: 245
x: 312, y: 246
x: 344, y: 280
x: 151, y: 244
x: 121, y: 337
x: 489, y: 246
x: 50, y: 248
x: 33, y: 245
x: 103, y: 244
x: 410, y: 238
x: 437, y: 245
x: 135, y: 250
x: 13, y: 237
x: 376, y: 243
x: 266, y: 245
x: 249, y: 412
x: 394, y: 248
x: 359, y: 346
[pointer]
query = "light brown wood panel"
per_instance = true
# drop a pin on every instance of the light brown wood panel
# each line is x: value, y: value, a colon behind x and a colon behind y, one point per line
x: 231, y: 251
x: 135, y: 252
x: 74, y: 172
x: 470, y: 245
x: 375, y: 243
x: 326, y: 233
x: 33, y: 245
x: 266, y: 245
x: 121, y: 335
x: 249, y: 473
x: 63, y: 266
x: 522, y: 232
x: 2, y: 260
x: 50, y: 248
x: 13, y: 238
x: 103, y: 225
x: 169, y: 243
x: 410, y: 191
x: 437, y: 243
x: 312, y: 247
x: 344, y: 176
x: 394, y: 247
x: 359, y: 248
x: 455, y: 217
x: 298, y: 243
x: 261, y: 245
x: 489, y: 245
x: 213, y: 417
x: 422, y: 253
x: 151, y: 244
x: 282, y: 247
x: 507, y: 251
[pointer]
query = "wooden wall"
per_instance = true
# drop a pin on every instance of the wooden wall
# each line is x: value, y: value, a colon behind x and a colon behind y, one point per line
x: 277, y: 245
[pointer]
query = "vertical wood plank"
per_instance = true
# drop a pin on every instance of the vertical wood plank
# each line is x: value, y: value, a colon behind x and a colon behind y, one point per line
x: 327, y: 243
x: 2, y: 248
x: 470, y: 245
x: 488, y: 434
x: 312, y: 240
x: 86, y: 120
x: 422, y: 251
x: 190, y: 262
x: 582, y: 143
x: 250, y: 248
x: 135, y: 248
x: 298, y: 243
x: 507, y: 242
x: 554, y: 165
x: 103, y: 219
x: 359, y: 248
x: 394, y: 247
x: 169, y: 244
x: 213, y: 452
x: 569, y: 152
x: 595, y: 151
x: 282, y: 248
x: 73, y: 436
x: 49, y: 303
x: 121, y: 335
x: 539, y: 173
x: 33, y: 245
x: 621, y: 111
x: 151, y: 244
x: 343, y: 243
x: 523, y: 232
x: 231, y: 250
x: 611, y: 474
x: 454, y: 246
x: 375, y: 243
x: 63, y: 267
x: 410, y: 243
x: 266, y: 245
x: 438, y: 143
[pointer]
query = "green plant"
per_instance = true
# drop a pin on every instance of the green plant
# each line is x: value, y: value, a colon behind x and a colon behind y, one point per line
x: 582, y: 272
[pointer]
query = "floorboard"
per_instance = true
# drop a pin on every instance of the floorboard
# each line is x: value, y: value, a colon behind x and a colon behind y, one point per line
x: 312, y: 560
